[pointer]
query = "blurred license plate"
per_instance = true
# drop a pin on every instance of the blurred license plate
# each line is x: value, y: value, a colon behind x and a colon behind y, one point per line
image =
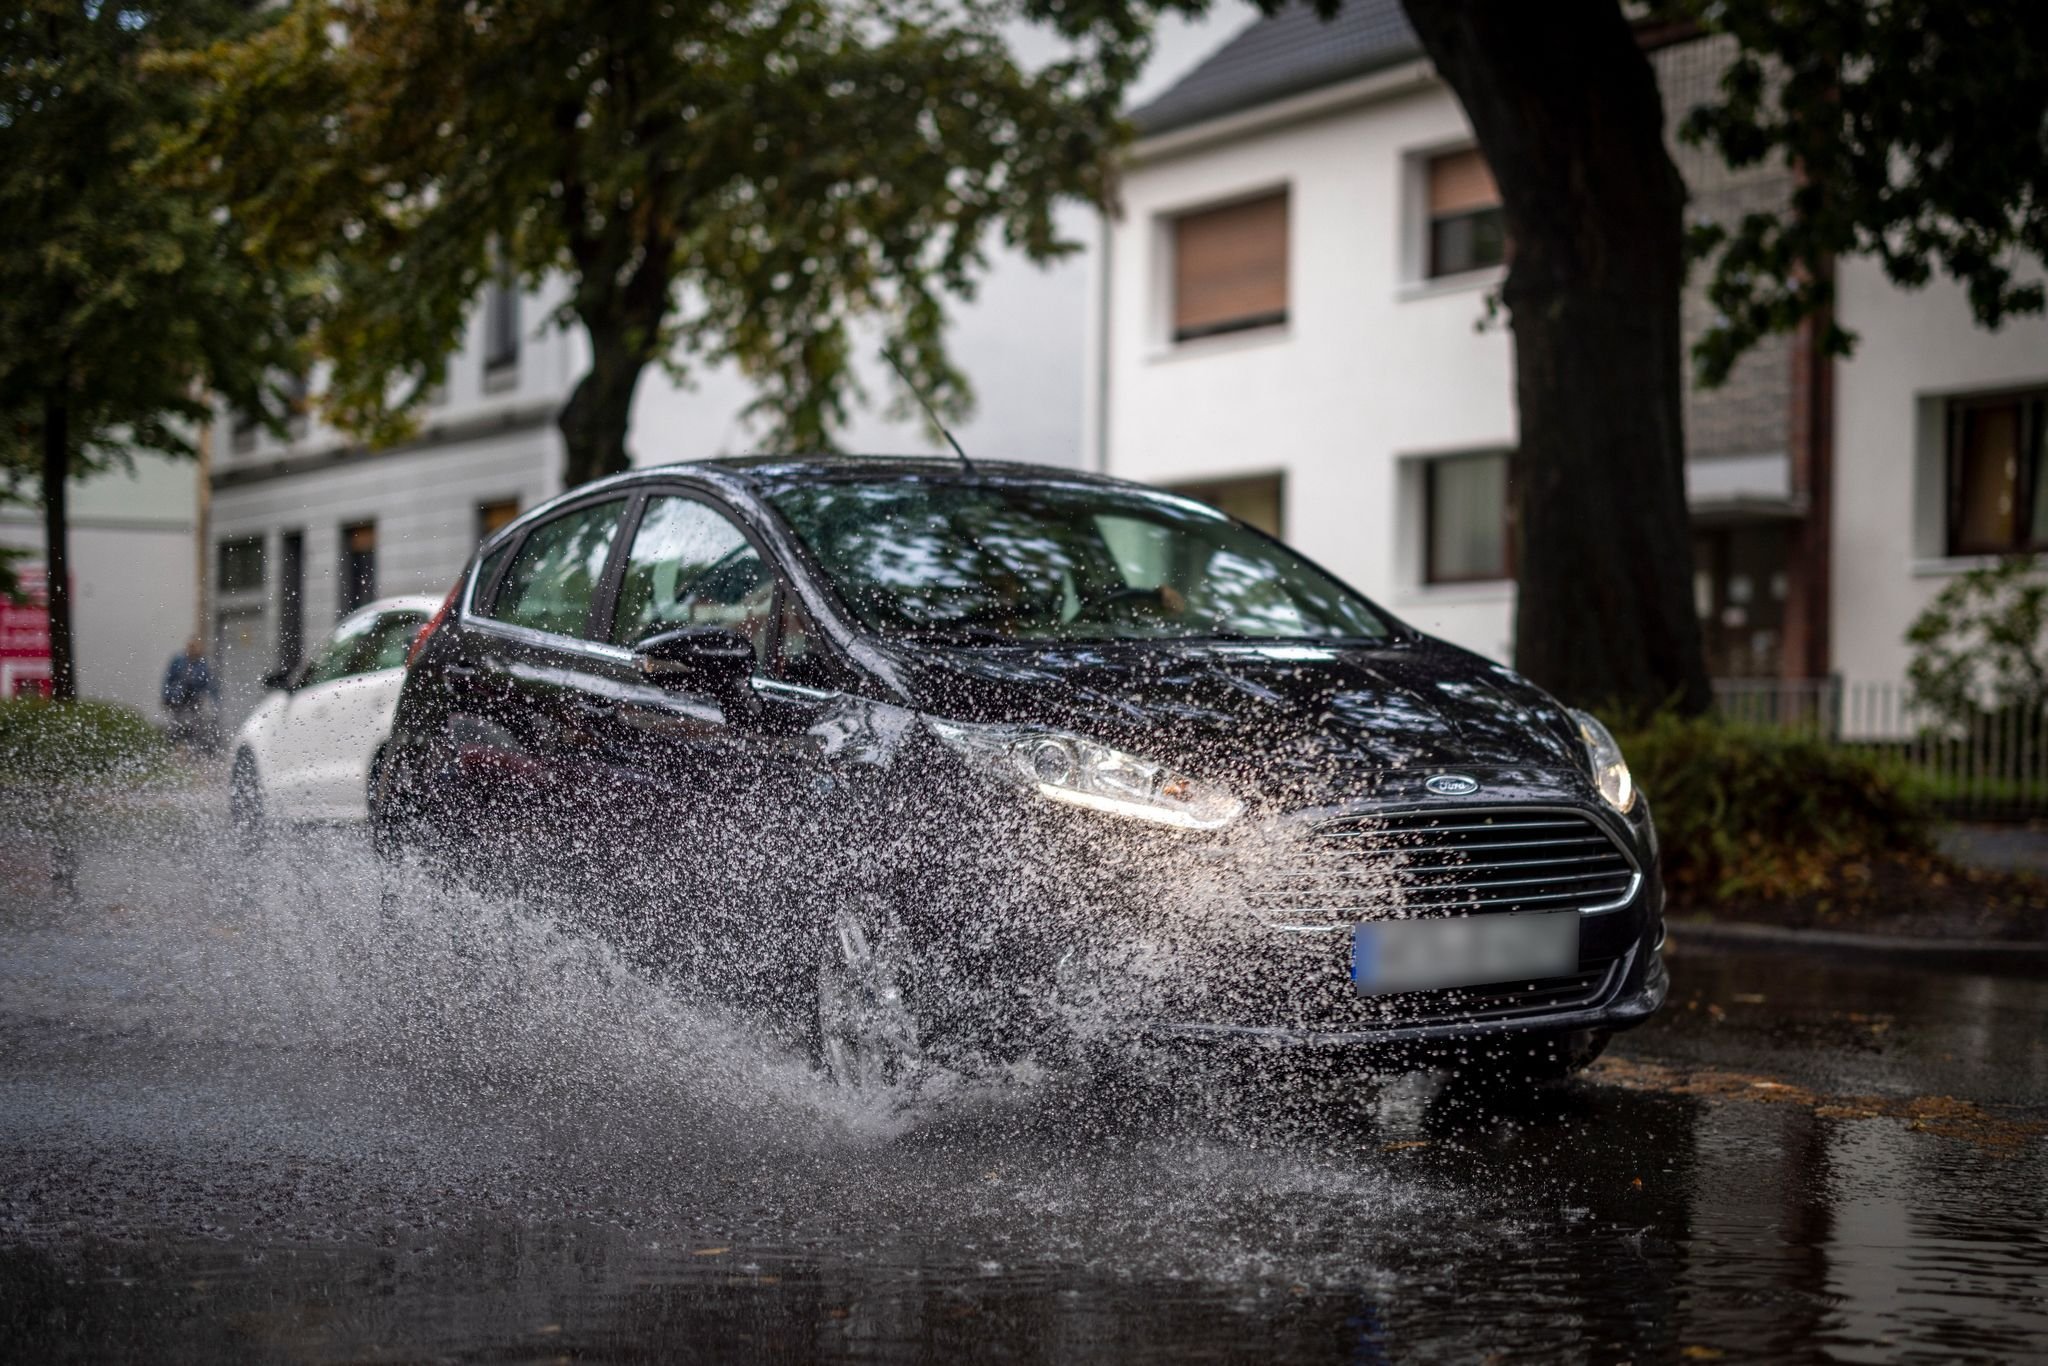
x: 1464, y: 951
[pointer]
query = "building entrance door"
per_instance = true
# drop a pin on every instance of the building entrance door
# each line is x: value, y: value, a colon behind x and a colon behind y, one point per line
x: 241, y: 656
x: 1740, y: 583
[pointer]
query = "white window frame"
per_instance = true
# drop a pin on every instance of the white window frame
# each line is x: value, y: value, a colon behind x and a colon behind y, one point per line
x: 1412, y: 270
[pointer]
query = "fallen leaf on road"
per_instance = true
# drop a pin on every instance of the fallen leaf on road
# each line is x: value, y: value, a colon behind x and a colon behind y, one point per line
x: 1944, y: 1116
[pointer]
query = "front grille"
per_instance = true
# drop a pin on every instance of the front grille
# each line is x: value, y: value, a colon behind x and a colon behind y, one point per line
x: 1435, y: 863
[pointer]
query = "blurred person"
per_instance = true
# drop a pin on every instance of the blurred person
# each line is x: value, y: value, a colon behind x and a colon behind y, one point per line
x: 192, y: 698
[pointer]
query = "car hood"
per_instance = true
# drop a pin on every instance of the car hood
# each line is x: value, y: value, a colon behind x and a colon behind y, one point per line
x: 1279, y: 717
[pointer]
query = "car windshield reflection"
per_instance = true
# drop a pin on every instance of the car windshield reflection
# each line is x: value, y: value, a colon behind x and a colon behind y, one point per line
x: 998, y: 562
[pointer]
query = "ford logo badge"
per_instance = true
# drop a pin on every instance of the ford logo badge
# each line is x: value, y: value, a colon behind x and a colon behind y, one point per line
x: 1453, y: 785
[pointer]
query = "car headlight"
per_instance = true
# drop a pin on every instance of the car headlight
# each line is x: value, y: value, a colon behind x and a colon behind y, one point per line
x: 1610, y: 770
x: 1080, y: 772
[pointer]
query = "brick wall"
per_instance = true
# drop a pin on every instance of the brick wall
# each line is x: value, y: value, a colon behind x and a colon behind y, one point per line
x: 1748, y: 414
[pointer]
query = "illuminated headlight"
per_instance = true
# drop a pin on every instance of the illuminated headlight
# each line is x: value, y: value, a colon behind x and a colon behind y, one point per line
x: 1080, y: 772
x: 1610, y: 770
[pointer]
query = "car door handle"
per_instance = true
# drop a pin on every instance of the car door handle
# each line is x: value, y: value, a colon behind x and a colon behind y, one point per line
x: 459, y: 671
x: 596, y: 706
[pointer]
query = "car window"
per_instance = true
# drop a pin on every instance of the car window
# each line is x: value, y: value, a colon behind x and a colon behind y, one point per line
x: 363, y: 645
x: 690, y: 566
x: 549, y: 584
x: 385, y: 646
x: 331, y: 660
x: 486, y: 575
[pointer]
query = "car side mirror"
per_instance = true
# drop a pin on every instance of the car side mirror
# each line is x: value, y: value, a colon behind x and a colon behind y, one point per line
x: 709, y: 659
x: 279, y: 679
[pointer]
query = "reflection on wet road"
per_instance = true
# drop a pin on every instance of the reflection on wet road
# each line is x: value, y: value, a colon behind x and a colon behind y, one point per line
x: 244, y: 1116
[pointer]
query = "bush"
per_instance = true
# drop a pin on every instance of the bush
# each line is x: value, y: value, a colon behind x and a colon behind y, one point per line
x: 46, y: 742
x: 1748, y: 813
x: 1981, y: 647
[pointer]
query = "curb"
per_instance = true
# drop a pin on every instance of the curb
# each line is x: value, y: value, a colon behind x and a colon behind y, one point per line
x: 2026, y: 957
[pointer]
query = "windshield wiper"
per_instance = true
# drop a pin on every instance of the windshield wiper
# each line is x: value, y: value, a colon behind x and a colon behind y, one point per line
x: 963, y: 635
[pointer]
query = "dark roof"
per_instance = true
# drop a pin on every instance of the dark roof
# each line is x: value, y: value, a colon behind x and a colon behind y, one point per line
x: 1286, y: 54
x: 784, y: 469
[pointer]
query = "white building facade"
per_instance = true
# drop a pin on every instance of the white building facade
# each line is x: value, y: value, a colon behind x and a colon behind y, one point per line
x: 1294, y: 315
x: 304, y: 529
x: 134, y: 577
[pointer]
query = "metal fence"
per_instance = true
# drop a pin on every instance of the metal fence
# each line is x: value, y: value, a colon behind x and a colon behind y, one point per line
x: 1994, y: 765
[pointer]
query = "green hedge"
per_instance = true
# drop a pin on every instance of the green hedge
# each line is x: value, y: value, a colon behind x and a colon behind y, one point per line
x: 1749, y: 813
x: 77, y: 742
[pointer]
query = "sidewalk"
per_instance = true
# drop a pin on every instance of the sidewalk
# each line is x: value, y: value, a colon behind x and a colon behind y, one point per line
x: 1994, y: 957
x: 1998, y: 848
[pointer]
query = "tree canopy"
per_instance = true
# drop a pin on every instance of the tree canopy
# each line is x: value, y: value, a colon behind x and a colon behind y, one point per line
x: 122, y: 290
x: 1919, y: 131
x: 734, y: 181
x: 125, y: 293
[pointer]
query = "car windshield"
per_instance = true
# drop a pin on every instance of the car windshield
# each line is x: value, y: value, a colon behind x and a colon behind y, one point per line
x: 955, y: 560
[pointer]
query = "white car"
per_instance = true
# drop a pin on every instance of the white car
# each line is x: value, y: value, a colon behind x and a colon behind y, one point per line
x: 310, y: 751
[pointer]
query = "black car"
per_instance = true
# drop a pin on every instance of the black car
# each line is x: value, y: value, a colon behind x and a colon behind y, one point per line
x: 928, y: 760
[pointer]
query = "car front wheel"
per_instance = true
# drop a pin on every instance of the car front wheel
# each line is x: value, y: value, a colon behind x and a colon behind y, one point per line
x: 866, y: 1038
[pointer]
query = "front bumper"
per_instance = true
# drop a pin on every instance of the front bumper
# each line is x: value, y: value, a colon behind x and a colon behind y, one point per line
x: 1241, y: 972
x: 1638, y: 992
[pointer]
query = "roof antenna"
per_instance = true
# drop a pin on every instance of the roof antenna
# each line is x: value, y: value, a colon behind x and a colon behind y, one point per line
x: 889, y: 355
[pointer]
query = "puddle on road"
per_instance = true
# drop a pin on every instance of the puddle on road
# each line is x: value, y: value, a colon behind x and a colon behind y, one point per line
x: 246, y: 1114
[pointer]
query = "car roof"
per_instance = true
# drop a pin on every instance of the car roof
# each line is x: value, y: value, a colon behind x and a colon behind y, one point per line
x: 758, y: 475
x: 766, y: 472
x: 408, y: 602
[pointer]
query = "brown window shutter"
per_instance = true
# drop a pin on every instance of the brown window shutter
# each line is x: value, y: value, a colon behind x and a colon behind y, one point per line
x: 1460, y: 182
x: 1230, y: 267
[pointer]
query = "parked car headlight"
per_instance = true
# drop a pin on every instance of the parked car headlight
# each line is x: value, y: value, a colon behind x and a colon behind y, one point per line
x: 1080, y: 772
x: 1610, y: 770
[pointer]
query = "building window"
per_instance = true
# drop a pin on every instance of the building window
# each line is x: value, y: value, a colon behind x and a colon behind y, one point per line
x: 501, y: 327
x: 494, y: 516
x: 298, y: 393
x: 1466, y: 231
x: 242, y: 432
x: 291, y: 598
x: 1467, y: 519
x: 1997, y: 492
x: 1254, y: 500
x: 358, y: 565
x: 1230, y: 268
x: 241, y: 564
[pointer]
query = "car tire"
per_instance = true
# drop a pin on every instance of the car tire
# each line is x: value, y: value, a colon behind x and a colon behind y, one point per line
x: 245, y: 801
x: 864, y: 1036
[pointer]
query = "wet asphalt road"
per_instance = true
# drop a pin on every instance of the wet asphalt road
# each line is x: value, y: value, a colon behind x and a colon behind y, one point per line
x: 243, y: 1119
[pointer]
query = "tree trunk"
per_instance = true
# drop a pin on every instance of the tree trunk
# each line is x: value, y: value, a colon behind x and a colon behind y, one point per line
x: 57, y: 545
x: 1566, y: 109
x: 593, y: 422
